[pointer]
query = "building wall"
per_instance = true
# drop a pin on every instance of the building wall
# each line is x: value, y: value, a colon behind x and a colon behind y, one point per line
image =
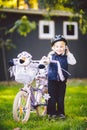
x: 38, y: 47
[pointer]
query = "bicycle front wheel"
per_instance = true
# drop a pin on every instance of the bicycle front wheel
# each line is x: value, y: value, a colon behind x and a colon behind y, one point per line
x: 21, y: 107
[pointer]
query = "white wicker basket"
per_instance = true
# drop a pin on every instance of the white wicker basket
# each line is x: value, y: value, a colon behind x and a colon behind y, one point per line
x: 25, y: 74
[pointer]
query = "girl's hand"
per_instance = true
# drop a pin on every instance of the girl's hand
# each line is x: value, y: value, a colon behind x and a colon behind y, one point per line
x: 67, y: 50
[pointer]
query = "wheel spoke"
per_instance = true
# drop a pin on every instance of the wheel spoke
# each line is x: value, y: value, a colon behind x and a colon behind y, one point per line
x: 20, y: 111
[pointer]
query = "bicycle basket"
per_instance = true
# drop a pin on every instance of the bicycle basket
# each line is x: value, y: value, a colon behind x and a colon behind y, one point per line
x: 25, y: 74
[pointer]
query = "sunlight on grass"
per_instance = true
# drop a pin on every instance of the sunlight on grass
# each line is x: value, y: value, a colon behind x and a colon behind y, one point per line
x: 5, y: 96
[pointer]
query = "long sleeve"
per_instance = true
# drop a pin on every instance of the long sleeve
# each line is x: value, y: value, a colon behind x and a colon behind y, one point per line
x: 71, y: 59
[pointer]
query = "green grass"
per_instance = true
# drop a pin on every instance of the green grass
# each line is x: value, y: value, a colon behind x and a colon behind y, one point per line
x: 75, y: 108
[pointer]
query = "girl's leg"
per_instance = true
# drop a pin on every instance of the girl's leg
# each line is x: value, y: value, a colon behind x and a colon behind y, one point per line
x: 51, y: 107
x: 60, y: 98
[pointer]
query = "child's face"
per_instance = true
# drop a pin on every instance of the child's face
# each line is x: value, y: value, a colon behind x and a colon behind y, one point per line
x: 59, y: 47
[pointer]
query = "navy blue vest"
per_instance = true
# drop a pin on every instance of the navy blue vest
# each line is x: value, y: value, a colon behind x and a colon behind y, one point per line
x: 53, y: 69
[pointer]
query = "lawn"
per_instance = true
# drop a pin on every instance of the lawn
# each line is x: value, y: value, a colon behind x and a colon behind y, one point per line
x: 75, y: 108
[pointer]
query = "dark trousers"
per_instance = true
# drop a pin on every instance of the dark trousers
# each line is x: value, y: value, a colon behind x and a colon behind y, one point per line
x: 56, y: 90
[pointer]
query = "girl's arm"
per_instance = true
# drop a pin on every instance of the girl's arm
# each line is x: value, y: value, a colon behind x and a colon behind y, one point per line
x: 71, y: 59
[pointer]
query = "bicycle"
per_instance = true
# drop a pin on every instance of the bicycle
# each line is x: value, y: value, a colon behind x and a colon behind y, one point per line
x: 28, y: 98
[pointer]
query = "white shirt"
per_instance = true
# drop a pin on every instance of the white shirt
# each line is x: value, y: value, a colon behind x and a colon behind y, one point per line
x: 71, y: 59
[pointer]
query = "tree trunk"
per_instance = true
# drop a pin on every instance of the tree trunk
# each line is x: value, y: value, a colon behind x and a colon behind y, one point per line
x: 4, y: 63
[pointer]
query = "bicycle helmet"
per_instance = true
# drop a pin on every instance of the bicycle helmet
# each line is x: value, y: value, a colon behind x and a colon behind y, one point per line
x: 58, y: 38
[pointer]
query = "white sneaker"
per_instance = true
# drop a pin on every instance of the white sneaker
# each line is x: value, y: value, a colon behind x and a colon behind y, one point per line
x: 62, y: 116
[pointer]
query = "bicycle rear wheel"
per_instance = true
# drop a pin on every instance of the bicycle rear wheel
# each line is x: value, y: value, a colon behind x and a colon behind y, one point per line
x: 21, y: 107
x: 41, y: 109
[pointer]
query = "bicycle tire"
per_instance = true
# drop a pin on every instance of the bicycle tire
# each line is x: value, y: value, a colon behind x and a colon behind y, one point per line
x: 20, y: 111
x: 41, y: 109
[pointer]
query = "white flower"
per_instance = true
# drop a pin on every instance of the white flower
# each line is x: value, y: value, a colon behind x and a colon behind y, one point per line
x: 46, y: 96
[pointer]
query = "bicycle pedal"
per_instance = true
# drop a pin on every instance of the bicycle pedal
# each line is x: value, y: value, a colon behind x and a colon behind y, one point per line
x: 35, y: 106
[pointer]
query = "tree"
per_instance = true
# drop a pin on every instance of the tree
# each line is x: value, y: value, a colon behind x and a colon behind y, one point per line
x: 78, y: 7
x: 5, y: 43
x: 23, y: 26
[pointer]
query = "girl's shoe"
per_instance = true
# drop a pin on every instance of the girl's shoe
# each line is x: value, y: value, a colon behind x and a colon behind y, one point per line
x: 52, y: 117
x: 62, y: 116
